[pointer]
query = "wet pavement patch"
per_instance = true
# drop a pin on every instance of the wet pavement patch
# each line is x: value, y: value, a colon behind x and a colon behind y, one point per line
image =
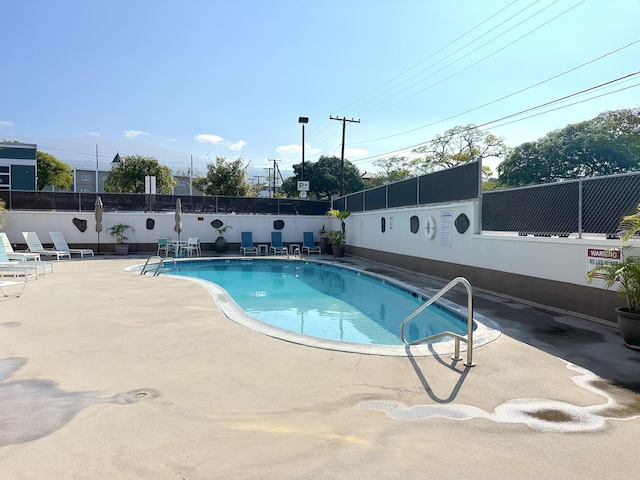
x: 34, y: 408
x: 551, y: 415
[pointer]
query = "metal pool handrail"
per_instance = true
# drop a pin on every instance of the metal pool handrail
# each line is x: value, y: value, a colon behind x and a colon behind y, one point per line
x: 458, y: 338
x: 158, y: 264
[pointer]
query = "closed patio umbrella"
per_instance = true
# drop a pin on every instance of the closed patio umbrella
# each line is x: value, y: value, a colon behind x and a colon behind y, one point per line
x: 178, y: 226
x: 99, y: 208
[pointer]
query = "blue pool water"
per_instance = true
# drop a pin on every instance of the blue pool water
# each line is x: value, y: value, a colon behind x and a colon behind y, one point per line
x: 324, y: 301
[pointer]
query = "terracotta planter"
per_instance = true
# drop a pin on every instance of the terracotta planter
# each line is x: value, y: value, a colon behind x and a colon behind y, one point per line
x: 629, y: 327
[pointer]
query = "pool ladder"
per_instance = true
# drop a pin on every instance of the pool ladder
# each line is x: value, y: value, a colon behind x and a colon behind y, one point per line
x: 156, y: 264
x: 468, y: 339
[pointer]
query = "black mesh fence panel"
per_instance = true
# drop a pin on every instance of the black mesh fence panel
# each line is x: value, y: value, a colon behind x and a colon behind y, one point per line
x: 540, y: 210
x: 454, y: 184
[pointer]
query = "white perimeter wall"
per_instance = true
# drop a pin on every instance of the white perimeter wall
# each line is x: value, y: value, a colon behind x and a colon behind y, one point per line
x: 559, y: 259
x: 193, y: 225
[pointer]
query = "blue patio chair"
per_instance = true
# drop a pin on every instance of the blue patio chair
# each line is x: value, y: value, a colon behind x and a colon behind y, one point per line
x: 276, y: 244
x: 309, y: 245
x: 247, y: 246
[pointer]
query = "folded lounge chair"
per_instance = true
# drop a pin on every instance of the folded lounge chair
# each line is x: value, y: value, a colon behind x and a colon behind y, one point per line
x: 276, y: 244
x: 60, y: 243
x: 247, y: 246
x: 309, y: 245
x: 35, y: 245
x: 22, y: 256
x: 9, y: 265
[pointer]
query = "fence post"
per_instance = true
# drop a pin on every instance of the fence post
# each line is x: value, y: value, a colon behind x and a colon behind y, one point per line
x: 478, y: 220
x: 580, y: 182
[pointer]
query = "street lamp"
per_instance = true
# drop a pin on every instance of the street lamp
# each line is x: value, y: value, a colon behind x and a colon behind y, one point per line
x: 303, y: 120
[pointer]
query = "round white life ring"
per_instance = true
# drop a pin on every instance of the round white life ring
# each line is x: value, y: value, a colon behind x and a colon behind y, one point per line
x: 430, y: 227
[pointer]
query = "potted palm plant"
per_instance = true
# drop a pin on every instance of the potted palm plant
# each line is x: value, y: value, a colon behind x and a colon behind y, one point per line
x: 221, y: 244
x: 119, y: 232
x: 337, y: 238
x: 626, y: 275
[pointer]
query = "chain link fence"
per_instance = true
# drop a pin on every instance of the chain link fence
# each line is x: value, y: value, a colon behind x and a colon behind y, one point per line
x: 78, y: 201
x: 576, y: 207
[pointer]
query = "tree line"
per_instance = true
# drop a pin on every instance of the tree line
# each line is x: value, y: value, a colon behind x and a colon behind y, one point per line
x: 604, y: 145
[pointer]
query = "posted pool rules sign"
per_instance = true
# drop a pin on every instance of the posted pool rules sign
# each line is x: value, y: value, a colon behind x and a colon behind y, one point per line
x: 601, y: 256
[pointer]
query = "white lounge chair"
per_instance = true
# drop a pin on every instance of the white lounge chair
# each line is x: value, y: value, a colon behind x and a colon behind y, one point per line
x: 246, y: 245
x: 35, y: 245
x: 8, y: 265
x: 60, y: 243
x: 4, y: 284
x: 22, y: 256
x: 16, y: 268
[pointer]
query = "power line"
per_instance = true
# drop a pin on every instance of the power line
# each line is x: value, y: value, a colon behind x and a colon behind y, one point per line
x: 561, y: 99
x: 502, y: 98
x: 369, y: 113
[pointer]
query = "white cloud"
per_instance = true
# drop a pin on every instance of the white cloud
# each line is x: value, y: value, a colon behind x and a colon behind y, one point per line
x: 208, y: 138
x: 296, y: 150
x: 239, y: 145
x: 355, y: 152
x: 93, y: 134
x: 134, y: 133
x: 6, y: 123
x: 289, y: 150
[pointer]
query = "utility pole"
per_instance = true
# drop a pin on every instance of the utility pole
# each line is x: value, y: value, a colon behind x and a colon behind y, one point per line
x: 344, y: 121
x: 275, y: 169
x: 268, y: 169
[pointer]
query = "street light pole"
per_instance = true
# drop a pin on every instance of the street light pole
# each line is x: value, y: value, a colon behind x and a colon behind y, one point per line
x: 303, y: 120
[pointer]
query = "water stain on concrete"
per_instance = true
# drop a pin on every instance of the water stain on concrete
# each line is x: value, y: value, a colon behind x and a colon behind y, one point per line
x: 544, y: 415
x: 32, y: 409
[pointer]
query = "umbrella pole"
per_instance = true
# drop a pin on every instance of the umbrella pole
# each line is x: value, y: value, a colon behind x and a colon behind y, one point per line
x: 98, y: 243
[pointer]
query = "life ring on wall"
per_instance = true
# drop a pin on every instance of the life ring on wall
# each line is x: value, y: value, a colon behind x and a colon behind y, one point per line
x: 430, y: 227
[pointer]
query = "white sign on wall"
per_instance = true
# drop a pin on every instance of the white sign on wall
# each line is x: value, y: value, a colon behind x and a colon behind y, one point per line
x: 597, y: 257
x: 445, y: 229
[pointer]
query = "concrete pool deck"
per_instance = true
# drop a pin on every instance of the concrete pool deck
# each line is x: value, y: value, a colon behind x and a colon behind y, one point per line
x: 106, y: 374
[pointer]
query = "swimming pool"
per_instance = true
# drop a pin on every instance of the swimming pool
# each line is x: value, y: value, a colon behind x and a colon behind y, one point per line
x: 323, y: 305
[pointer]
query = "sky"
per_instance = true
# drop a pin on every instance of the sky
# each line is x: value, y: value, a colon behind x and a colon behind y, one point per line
x: 191, y: 80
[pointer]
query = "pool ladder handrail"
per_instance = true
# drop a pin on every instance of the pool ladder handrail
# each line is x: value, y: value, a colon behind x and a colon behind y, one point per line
x: 458, y: 338
x: 159, y: 264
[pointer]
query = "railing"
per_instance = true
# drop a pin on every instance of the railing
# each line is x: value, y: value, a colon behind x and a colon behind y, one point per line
x: 458, y: 338
x: 156, y: 263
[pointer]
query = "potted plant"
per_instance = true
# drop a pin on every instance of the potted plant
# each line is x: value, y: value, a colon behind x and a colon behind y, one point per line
x: 337, y: 238
x: 119, y: 231
x: 323, y: 235
x: 221, y: 244
x: 626, y: 274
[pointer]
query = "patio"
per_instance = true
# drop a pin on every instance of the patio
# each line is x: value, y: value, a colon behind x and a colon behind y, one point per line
x: 106, y: 374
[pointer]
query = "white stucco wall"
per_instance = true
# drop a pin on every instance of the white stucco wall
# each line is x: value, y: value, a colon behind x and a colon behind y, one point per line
x: 193, y: 225
x: 561, y: 259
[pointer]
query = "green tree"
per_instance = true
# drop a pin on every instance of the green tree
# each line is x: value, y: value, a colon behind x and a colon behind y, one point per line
x: 128, y: 176
x: 54, y: 172
x: 324, y: 178
x: 224, y: 177
x: 604, y: 145
x: 461, y: 144
x: 393, y: 170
